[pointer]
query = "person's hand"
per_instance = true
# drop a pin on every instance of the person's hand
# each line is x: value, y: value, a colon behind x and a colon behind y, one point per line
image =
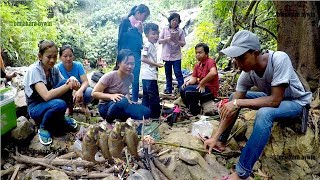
x: 228, y: 110
x: 139, y: 26
x: 209, y: 144
x: 78, y: 97
x: 159, y: 65
x: 116, y: 97
x: 73, y: 83
x: 201, y: 88
x: 185, y: 84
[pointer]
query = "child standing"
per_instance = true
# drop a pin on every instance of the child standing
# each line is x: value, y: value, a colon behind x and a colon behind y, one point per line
x: 130, y: 37
x: 172, y: 39
x: 149, y: 75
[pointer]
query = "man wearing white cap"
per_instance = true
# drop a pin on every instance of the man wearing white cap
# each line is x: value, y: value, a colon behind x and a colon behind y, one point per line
x: 281, y: 97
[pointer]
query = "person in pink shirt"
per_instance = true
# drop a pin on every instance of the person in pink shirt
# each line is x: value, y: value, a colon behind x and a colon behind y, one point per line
x: 172, y: 39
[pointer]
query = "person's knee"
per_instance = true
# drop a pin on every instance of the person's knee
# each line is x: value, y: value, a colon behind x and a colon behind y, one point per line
x: 264, y: 117
x: 58, y: 105
x: 87, y: 95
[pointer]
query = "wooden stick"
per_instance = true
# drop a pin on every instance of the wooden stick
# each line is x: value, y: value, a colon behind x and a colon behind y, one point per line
x: 13, y: 177
x: 70, y: 155
x: 163, y: 169
x: 20, y: 159
x: 56, y: 161
x: 153, y: 171
x: 187, y: 147
x: 11, y: 169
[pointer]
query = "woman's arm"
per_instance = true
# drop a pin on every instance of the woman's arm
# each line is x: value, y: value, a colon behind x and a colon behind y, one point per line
x: 98, y: 93
x: 46, y: 95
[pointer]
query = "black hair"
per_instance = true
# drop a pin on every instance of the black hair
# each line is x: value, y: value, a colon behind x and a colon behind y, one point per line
x: 142, y: 8
x: 46, y: 44
x: 205, y: 47
x: 172, y: 16
x: 150, y: 26
x: 65, y: 47
x: 122, y: 56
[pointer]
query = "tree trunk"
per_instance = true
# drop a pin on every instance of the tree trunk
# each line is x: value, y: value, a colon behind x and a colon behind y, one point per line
x: 299, y: 36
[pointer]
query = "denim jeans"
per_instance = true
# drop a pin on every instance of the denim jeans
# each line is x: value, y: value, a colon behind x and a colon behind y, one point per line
x: 87, y: 97
x: 265, y: 117
x: 50, y: 112
x: 136, y: 75
x: 177, y: 72
x: 191, y: 97
x: 122, y: 110
x: 151, y: 97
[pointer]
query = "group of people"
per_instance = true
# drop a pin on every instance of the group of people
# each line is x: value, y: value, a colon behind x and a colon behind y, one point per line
x: 52, y: 90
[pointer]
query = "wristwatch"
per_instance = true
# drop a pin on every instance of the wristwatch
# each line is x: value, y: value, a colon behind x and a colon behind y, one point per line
x: 235, y: 104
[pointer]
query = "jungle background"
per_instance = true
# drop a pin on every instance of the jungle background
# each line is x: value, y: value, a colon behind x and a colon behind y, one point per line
x: 91, y: 27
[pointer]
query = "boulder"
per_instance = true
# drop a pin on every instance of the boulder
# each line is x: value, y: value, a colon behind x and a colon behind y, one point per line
x: 23, y: 130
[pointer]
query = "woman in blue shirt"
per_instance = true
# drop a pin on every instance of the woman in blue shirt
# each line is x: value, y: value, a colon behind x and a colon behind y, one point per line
x: 68, y: 67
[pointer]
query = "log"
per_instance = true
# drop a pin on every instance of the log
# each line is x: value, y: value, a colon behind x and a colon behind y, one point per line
x: 153, y: 171
x: 56, y: 161
x: 24, y: 160
x: 11, y: 169
x: 163, y: 169
x: 13, y: 177
x: 70, y: 155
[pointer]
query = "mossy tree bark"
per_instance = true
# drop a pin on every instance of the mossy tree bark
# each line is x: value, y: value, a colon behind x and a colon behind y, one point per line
x: 299, y: 36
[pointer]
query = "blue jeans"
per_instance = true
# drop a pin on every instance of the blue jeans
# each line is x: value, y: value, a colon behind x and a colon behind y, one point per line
x: 136, y: 75
x: 151, y: 97
x: 265, y: 117
x: 123, y: 110
x: 50, y: 112
x: 177, y: 72
x: 87, y: 97
x: 191, y: 97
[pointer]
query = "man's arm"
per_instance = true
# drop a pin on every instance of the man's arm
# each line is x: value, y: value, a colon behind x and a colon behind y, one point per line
x: 211, y: 75
x: 273, y: 100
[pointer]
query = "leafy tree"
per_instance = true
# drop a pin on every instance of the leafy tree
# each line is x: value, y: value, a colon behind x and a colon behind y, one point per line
x: 22, y: 27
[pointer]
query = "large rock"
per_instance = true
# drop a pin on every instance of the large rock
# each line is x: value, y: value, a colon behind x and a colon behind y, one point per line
x: 47, y: 175
x: 23, y: 130
x: 188, y: 156
x: 141, y: 174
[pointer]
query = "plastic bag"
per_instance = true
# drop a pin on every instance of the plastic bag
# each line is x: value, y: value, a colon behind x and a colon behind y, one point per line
x: 202, y: 127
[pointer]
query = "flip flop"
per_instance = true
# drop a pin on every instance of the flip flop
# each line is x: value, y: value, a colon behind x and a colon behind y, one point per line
x: 44, y: 137
x: 72, y: 123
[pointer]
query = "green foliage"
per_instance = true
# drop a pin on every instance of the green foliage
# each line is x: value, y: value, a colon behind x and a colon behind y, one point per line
x: 21, y: 42
x: 205, y: 33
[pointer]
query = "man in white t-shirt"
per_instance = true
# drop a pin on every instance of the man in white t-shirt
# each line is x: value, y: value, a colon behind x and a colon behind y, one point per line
x: 149, y: 70
x: 282, y: 96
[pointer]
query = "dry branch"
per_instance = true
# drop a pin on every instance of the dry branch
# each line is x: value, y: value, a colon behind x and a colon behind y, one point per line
x: 163, y: 169
x: 55, y: 162
x: 26, y: 160
x: 11, y: 169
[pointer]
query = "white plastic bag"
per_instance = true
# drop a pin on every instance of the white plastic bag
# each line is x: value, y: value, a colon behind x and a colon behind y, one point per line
x: 202, y: 127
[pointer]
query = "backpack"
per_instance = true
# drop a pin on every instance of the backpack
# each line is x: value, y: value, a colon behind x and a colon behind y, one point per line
x: 96, y: 76
x: 305, y: 110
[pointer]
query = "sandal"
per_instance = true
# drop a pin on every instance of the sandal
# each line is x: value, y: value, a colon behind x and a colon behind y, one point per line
x: 70, y: 122
x: 44, y: 137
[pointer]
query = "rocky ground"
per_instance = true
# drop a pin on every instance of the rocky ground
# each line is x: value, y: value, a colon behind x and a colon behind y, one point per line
x: 169, y: 152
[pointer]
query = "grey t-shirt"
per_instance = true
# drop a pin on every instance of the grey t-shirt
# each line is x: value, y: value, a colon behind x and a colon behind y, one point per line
x: 278, y: 71
x: 114, y: 84
x: 36, y: 74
